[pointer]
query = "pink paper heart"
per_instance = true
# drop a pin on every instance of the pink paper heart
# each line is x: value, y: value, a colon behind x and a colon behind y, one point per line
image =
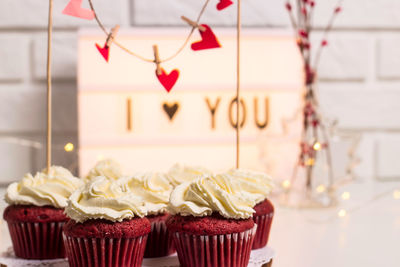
x: 168, y: 80
x: 104, y: 51
x: 74, y: 8
x: 208, y: 40
x: 224, y: 4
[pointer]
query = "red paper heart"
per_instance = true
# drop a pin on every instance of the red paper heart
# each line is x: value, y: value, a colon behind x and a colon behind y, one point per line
x: 224, y: 4
x: 104, y: 51
x: 168, y: 80
x: 74, y: 9
x: 208, y: 40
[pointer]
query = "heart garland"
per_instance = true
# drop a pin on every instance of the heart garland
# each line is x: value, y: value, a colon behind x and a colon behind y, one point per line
x: 208, y: 38
x: 74, y: 8
x: 168, y: 80
x: 104, y: 51
x: 224, y: 4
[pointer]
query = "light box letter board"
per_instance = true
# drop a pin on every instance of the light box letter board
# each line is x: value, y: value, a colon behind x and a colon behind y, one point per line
x: 125, y: 114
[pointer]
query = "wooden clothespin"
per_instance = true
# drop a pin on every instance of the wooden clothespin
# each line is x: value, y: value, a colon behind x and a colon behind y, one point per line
x: 111, y: 36
x: 157, y: 59
x: 193, y: 24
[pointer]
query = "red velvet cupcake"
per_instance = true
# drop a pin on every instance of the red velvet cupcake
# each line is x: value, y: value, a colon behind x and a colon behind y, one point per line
x: 263, y: 218
x: 256, y: 186
x: 36, y: 232
x: 212, y: 225
x: 155, y: 189
x: 107, y: 226
x: 160, y: 241
x: 106, y: 243
x: 35, y: 216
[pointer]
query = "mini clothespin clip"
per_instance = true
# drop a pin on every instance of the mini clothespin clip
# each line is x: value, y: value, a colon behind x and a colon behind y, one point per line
x: 193, y: 24
x: 157, y: 60
x: 111, y: 36
x: 105, y: 51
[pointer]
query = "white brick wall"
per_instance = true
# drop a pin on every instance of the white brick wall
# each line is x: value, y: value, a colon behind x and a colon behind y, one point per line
x: 64, y: 59
x: 14, y: 67
x: 359, y: 72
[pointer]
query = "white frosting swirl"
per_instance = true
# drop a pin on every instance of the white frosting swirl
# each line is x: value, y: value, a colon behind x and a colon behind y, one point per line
x: 254, y: 185
x: 107, y: 168
x: 179, y: 174
x: 103, y: 198
x: 206, y: 195
x: 53, y: 188
x: 154, y: 188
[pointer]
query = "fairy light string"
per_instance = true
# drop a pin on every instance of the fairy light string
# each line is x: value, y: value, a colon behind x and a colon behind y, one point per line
x: 340, y: 212
x: 314, y: 137
x: 343, y: 212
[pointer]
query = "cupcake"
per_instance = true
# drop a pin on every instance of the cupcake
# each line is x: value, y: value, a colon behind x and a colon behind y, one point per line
x: 212, y: 225
x: 35, y: 215
x: 155, y: 190
x: 107, y: 168
x: 179, y: 174
x: 256, y: 186
x: 107, y: 226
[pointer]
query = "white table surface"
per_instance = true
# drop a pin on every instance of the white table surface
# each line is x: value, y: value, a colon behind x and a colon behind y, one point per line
x: 367, y: 237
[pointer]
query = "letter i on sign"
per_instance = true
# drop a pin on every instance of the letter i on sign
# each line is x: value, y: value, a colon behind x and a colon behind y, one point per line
x: 129, y: 114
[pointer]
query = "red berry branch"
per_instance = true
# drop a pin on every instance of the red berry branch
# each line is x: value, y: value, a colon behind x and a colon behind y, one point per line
x: 314, y: 138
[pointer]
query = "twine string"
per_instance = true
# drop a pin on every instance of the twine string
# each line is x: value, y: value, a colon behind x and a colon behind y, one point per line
x: 129, y: 51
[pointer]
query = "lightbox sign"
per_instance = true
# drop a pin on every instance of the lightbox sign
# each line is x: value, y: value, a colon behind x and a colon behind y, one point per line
x: 125, y: 114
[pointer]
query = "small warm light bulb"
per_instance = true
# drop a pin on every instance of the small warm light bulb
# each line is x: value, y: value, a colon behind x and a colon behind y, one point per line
x: 346, y: 195
x: 321, y: 188
x: 317, y: 146
x: 310, y: 162
x: 396, y: 194
x: 286, y: 184
x: 69, y: 147
x: 342, y: 213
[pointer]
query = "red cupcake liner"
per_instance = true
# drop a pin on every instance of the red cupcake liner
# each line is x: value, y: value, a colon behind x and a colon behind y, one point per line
x: 105, y: 252
x: 37, y: 240
x: 263, y: 228
x: 230, y: 250
x: 159, y: 242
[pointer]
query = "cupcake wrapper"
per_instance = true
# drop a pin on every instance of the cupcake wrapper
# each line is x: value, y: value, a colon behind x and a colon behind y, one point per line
x: 264, y: 226
x: 159, y: 242
x: 37, y: 240
x: 230, y: 250
x: 105, y: 252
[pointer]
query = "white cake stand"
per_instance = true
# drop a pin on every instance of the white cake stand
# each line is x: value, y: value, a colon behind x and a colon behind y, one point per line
x: 258, y: 258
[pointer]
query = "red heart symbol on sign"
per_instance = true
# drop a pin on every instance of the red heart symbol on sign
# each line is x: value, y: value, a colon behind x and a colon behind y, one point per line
x: 104, y: 51
x: 224, y: 4
x: 168, y: 80
x: 208, y: 40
